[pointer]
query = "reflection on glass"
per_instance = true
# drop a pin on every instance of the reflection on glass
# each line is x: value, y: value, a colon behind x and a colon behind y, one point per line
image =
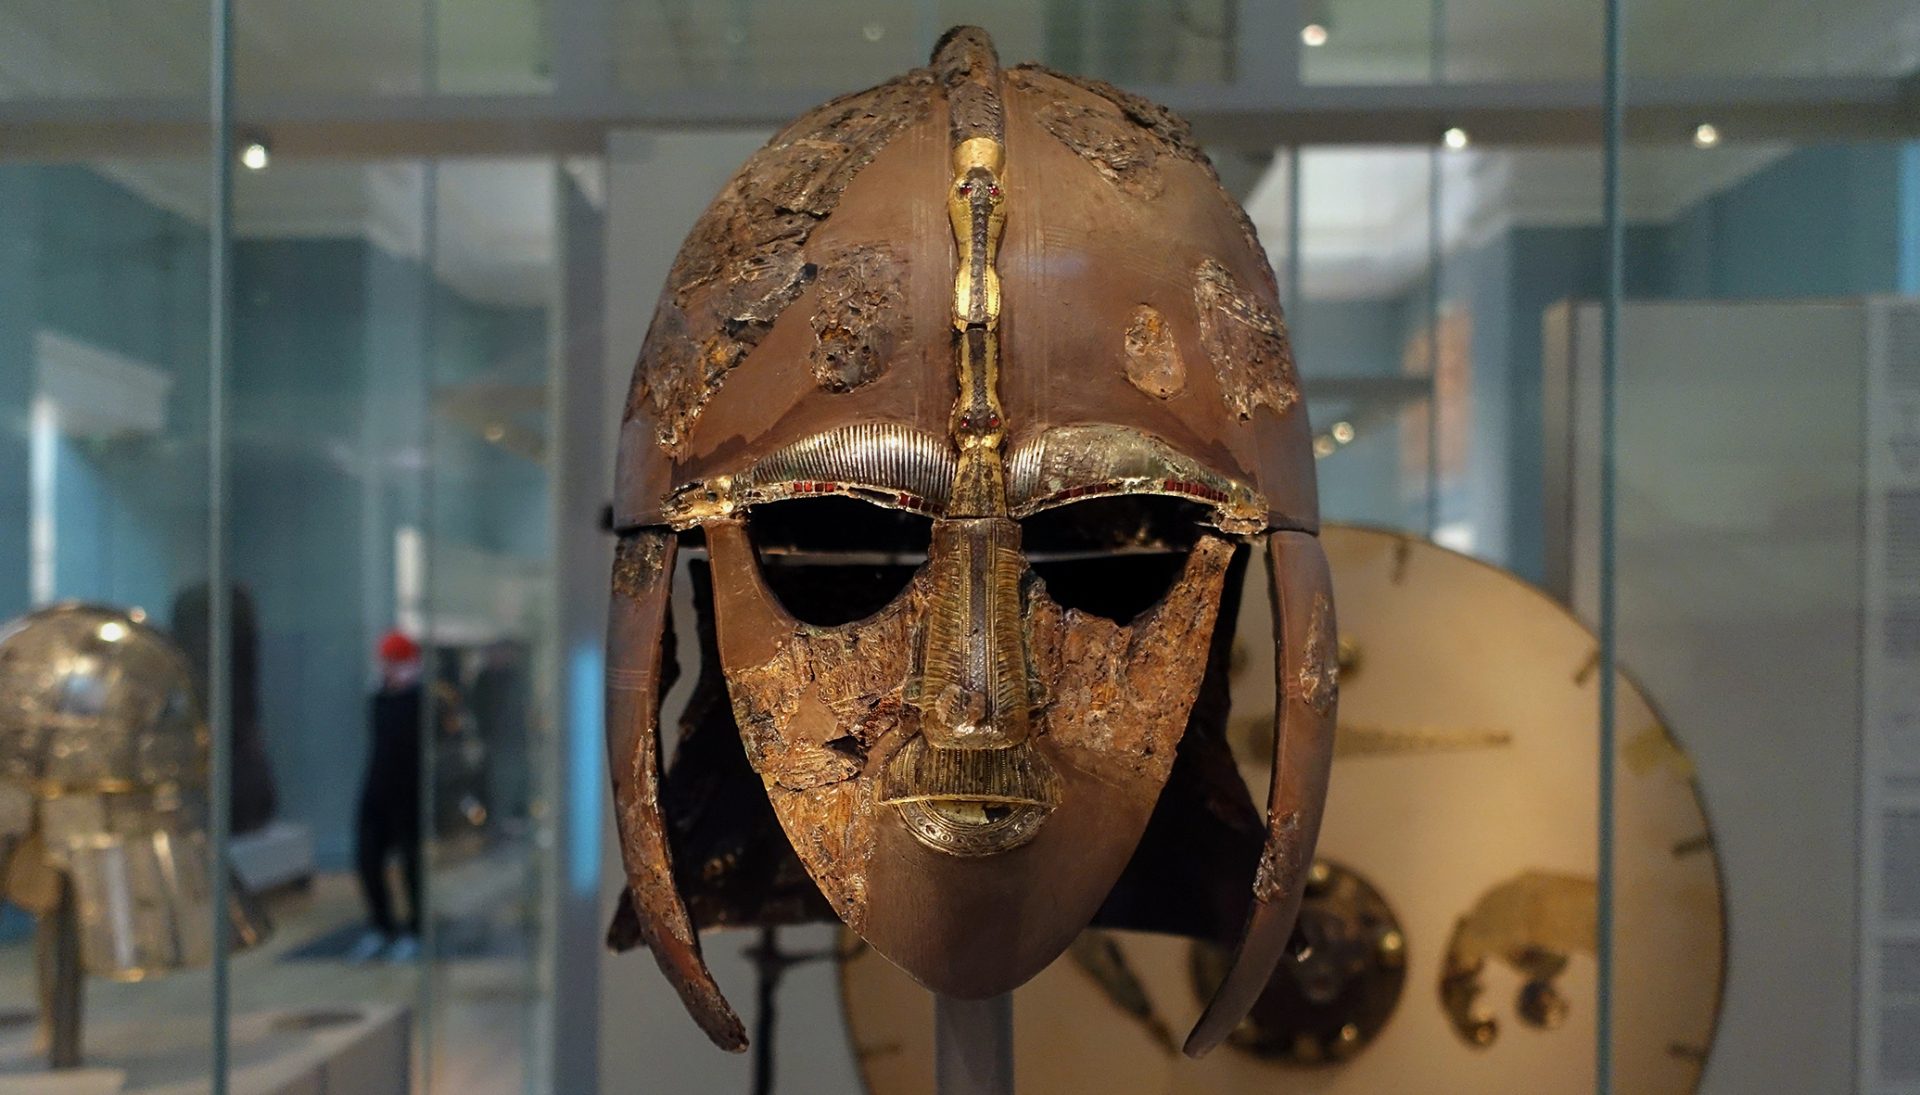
x: 855, y: 43
x: 486, y: 561
x: 388, y: 432
x: 1357, y: 321
x: 102, y: 49
x: 103, y: 330
x: 1760, y: 372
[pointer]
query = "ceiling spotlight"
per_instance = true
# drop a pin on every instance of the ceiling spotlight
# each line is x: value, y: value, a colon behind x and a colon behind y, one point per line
x: 113, y: 631
x: 1343, y: 432
x: 1323, y: 446
x: 1455, y: 138
x: 1313, y: 34
x: 1706, y: 135
x: 873, y: 32
x: 495, y: 431
x: 255, y: 155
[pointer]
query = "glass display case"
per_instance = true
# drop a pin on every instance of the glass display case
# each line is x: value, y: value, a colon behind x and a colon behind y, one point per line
x: 316, y: 325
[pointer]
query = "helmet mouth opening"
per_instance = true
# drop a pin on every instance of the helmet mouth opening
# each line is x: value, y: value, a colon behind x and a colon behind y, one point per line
x: 967, y: 828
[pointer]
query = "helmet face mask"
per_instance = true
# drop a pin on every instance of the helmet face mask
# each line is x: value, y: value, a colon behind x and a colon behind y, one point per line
x: 978, y: 361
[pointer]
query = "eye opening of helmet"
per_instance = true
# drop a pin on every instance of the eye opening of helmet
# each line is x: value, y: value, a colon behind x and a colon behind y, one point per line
x: 835, y: 559
x: 1114, y: 557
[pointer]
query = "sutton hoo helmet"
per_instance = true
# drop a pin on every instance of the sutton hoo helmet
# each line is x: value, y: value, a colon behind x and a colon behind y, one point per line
x: 975, y: 389
x: 101, y: 736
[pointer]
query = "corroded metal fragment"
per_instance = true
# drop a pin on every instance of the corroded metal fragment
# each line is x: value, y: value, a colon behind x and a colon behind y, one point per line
x: 1119, y: 694
x: 1299, y: 583
x: 1246, y: 341
x: 1153, y: 359
x: 745, y: 260
x: 1280, y: 859
x: 638, y: 564
x: 1173, y: 134
x: 1171, y: 130
x: 858, y: 316
x: 966, y: 64
x: 811, y: 718
x: 831, y: 828
x: 1319, y: 677
x: 1120, y: 150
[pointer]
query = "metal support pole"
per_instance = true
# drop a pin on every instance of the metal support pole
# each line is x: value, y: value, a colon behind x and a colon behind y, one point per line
x: 61, y: 983
x: 973, y: 1046
x: 1614, y: 271
x: 219, y: 585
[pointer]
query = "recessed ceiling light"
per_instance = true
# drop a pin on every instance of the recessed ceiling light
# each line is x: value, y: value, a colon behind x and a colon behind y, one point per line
x: 1323, y: 446
x: 255, y: 155
x: 1313, y: 34
x: 113, y: 631
x: 1343, y: 432
x: 873, y: 32
x: 1706, y: 135
x: 1455, y: 138
x: 495, y: 431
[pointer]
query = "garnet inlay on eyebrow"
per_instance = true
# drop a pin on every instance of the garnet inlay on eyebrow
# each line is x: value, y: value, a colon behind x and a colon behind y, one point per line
x: 1071, y: 462
x: 886, y: 463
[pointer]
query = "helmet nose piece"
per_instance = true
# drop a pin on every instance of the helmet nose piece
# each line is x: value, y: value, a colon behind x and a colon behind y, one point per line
x: 973, y: 664
x: 965, y: 719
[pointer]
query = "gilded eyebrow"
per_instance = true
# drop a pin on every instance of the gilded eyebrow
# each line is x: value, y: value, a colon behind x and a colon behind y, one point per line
x: 1067, y: 463
x: 887, y: 463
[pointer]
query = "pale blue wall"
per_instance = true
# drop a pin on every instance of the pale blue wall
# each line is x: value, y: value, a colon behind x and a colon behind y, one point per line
x: 1908, y: 273
x: 1348, y: 339
x: 1821, y: 222
x: 300, y: 469
x: 83, y: 257
x: 19, y: 253
x: 337, y: 345
x: 485, y: 496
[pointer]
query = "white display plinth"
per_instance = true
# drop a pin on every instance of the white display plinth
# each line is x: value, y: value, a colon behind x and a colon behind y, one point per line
x: 278, y: 854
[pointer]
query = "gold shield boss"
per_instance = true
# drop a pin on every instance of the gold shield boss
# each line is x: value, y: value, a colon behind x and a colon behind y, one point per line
x: 1015, y: 308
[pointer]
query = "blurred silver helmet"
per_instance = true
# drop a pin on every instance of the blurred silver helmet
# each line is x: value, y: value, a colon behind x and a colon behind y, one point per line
x: 102, y: 737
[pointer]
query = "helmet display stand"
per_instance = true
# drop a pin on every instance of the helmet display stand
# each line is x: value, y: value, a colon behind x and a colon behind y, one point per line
x: 62, y: 986
x: 973, y: 1045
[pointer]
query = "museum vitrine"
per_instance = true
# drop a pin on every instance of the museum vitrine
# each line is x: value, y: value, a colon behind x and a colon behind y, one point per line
x: 319, y: 387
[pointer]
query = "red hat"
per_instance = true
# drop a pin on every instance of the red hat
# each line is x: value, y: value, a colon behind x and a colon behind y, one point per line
x: 396, y: 647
